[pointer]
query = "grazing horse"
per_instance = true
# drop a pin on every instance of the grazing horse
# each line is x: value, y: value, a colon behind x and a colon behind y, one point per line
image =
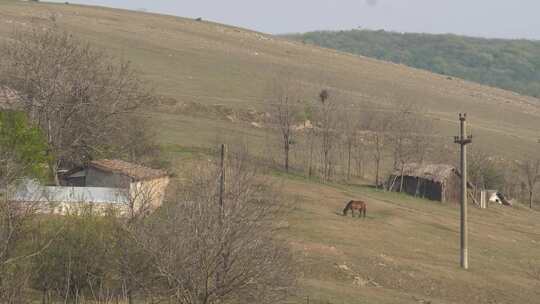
x: 356, y: 205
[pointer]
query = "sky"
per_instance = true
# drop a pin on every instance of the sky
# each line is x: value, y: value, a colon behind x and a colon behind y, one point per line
x: 482, y: 18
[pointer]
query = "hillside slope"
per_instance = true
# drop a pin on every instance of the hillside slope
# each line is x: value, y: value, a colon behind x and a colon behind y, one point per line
x: 406, y: 251
x: 186, y: 60
x: 508, y: 64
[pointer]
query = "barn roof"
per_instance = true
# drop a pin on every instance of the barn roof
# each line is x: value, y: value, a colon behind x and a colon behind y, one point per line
x: 433, y: 172
x: 8, y: 98
x: 137, y: 172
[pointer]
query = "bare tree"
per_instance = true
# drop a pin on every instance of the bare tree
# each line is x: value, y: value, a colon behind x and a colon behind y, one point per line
x: 401, y: 139
x: 284, y: 108
x: 130, y: 261
x: 531, y: 173
x: 350, y: 125
x: 79, y: 96
x: 327, y: 122
x: 478, y: 163
x: 379, y: 124
x: 411, y: 137
x: 310, y: 135
x: 204, y: 253
x: 488, y: 171
x: 359, y: 154
x: 136, y: 142
x: 424, y: 137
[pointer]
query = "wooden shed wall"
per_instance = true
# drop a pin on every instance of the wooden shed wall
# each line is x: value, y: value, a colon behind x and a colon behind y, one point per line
x: 419, y: 187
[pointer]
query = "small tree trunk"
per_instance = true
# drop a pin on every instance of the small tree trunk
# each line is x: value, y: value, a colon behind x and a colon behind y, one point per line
x: 53, y: 167
x: 349, y: 162
x: 359, y: 166
x: 360, y: 163
x: 377, y: 169
x: 530, y: 198
x: 362, y: 168
x: 401, y: 176
x: 310, y: 165
x: 287, y: 149
x: 129, y: 295
x: 325, y: 166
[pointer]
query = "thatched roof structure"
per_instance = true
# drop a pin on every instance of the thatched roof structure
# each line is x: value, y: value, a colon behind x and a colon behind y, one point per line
x: 439, y: 182
x: 438, y: 173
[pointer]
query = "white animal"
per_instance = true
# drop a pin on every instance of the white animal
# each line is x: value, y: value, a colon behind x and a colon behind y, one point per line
x: 494, y: 198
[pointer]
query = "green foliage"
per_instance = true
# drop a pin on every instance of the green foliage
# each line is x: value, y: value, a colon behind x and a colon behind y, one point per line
x: 508, y: 64
x: 86, y: 254
x: 23, y: 143
x: 78, y: 261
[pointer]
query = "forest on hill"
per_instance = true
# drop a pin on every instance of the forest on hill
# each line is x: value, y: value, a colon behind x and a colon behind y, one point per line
x: 508, y: 64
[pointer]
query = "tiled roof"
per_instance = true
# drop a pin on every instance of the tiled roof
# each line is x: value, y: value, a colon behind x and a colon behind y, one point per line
x: 134, y: 171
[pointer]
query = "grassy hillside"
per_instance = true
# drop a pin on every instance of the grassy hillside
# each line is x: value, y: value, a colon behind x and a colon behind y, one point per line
x: 406, y: 251
x: 508, y: 64
x: 190, y: 61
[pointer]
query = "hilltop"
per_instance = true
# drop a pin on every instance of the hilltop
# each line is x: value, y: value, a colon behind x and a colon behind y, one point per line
x: 507, y: 64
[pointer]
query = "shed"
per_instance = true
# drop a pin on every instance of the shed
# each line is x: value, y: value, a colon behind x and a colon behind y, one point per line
x: 438, y: 182
x: 143, y: 183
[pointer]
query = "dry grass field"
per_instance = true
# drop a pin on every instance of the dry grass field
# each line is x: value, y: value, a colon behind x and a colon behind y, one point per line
x: 406, y: 251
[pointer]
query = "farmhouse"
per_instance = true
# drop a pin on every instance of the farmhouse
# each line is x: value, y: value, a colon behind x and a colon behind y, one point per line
x: 142, y: 183
x: 438, y: 182
x: 103, y: 183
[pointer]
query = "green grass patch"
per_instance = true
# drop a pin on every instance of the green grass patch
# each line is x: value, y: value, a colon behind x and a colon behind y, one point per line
x: 185, y: 152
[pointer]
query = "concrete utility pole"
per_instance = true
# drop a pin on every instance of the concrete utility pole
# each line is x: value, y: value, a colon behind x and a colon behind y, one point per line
x: 463, y: 140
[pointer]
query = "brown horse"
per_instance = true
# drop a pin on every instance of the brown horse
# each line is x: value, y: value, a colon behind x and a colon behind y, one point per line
x: 356, y: 205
